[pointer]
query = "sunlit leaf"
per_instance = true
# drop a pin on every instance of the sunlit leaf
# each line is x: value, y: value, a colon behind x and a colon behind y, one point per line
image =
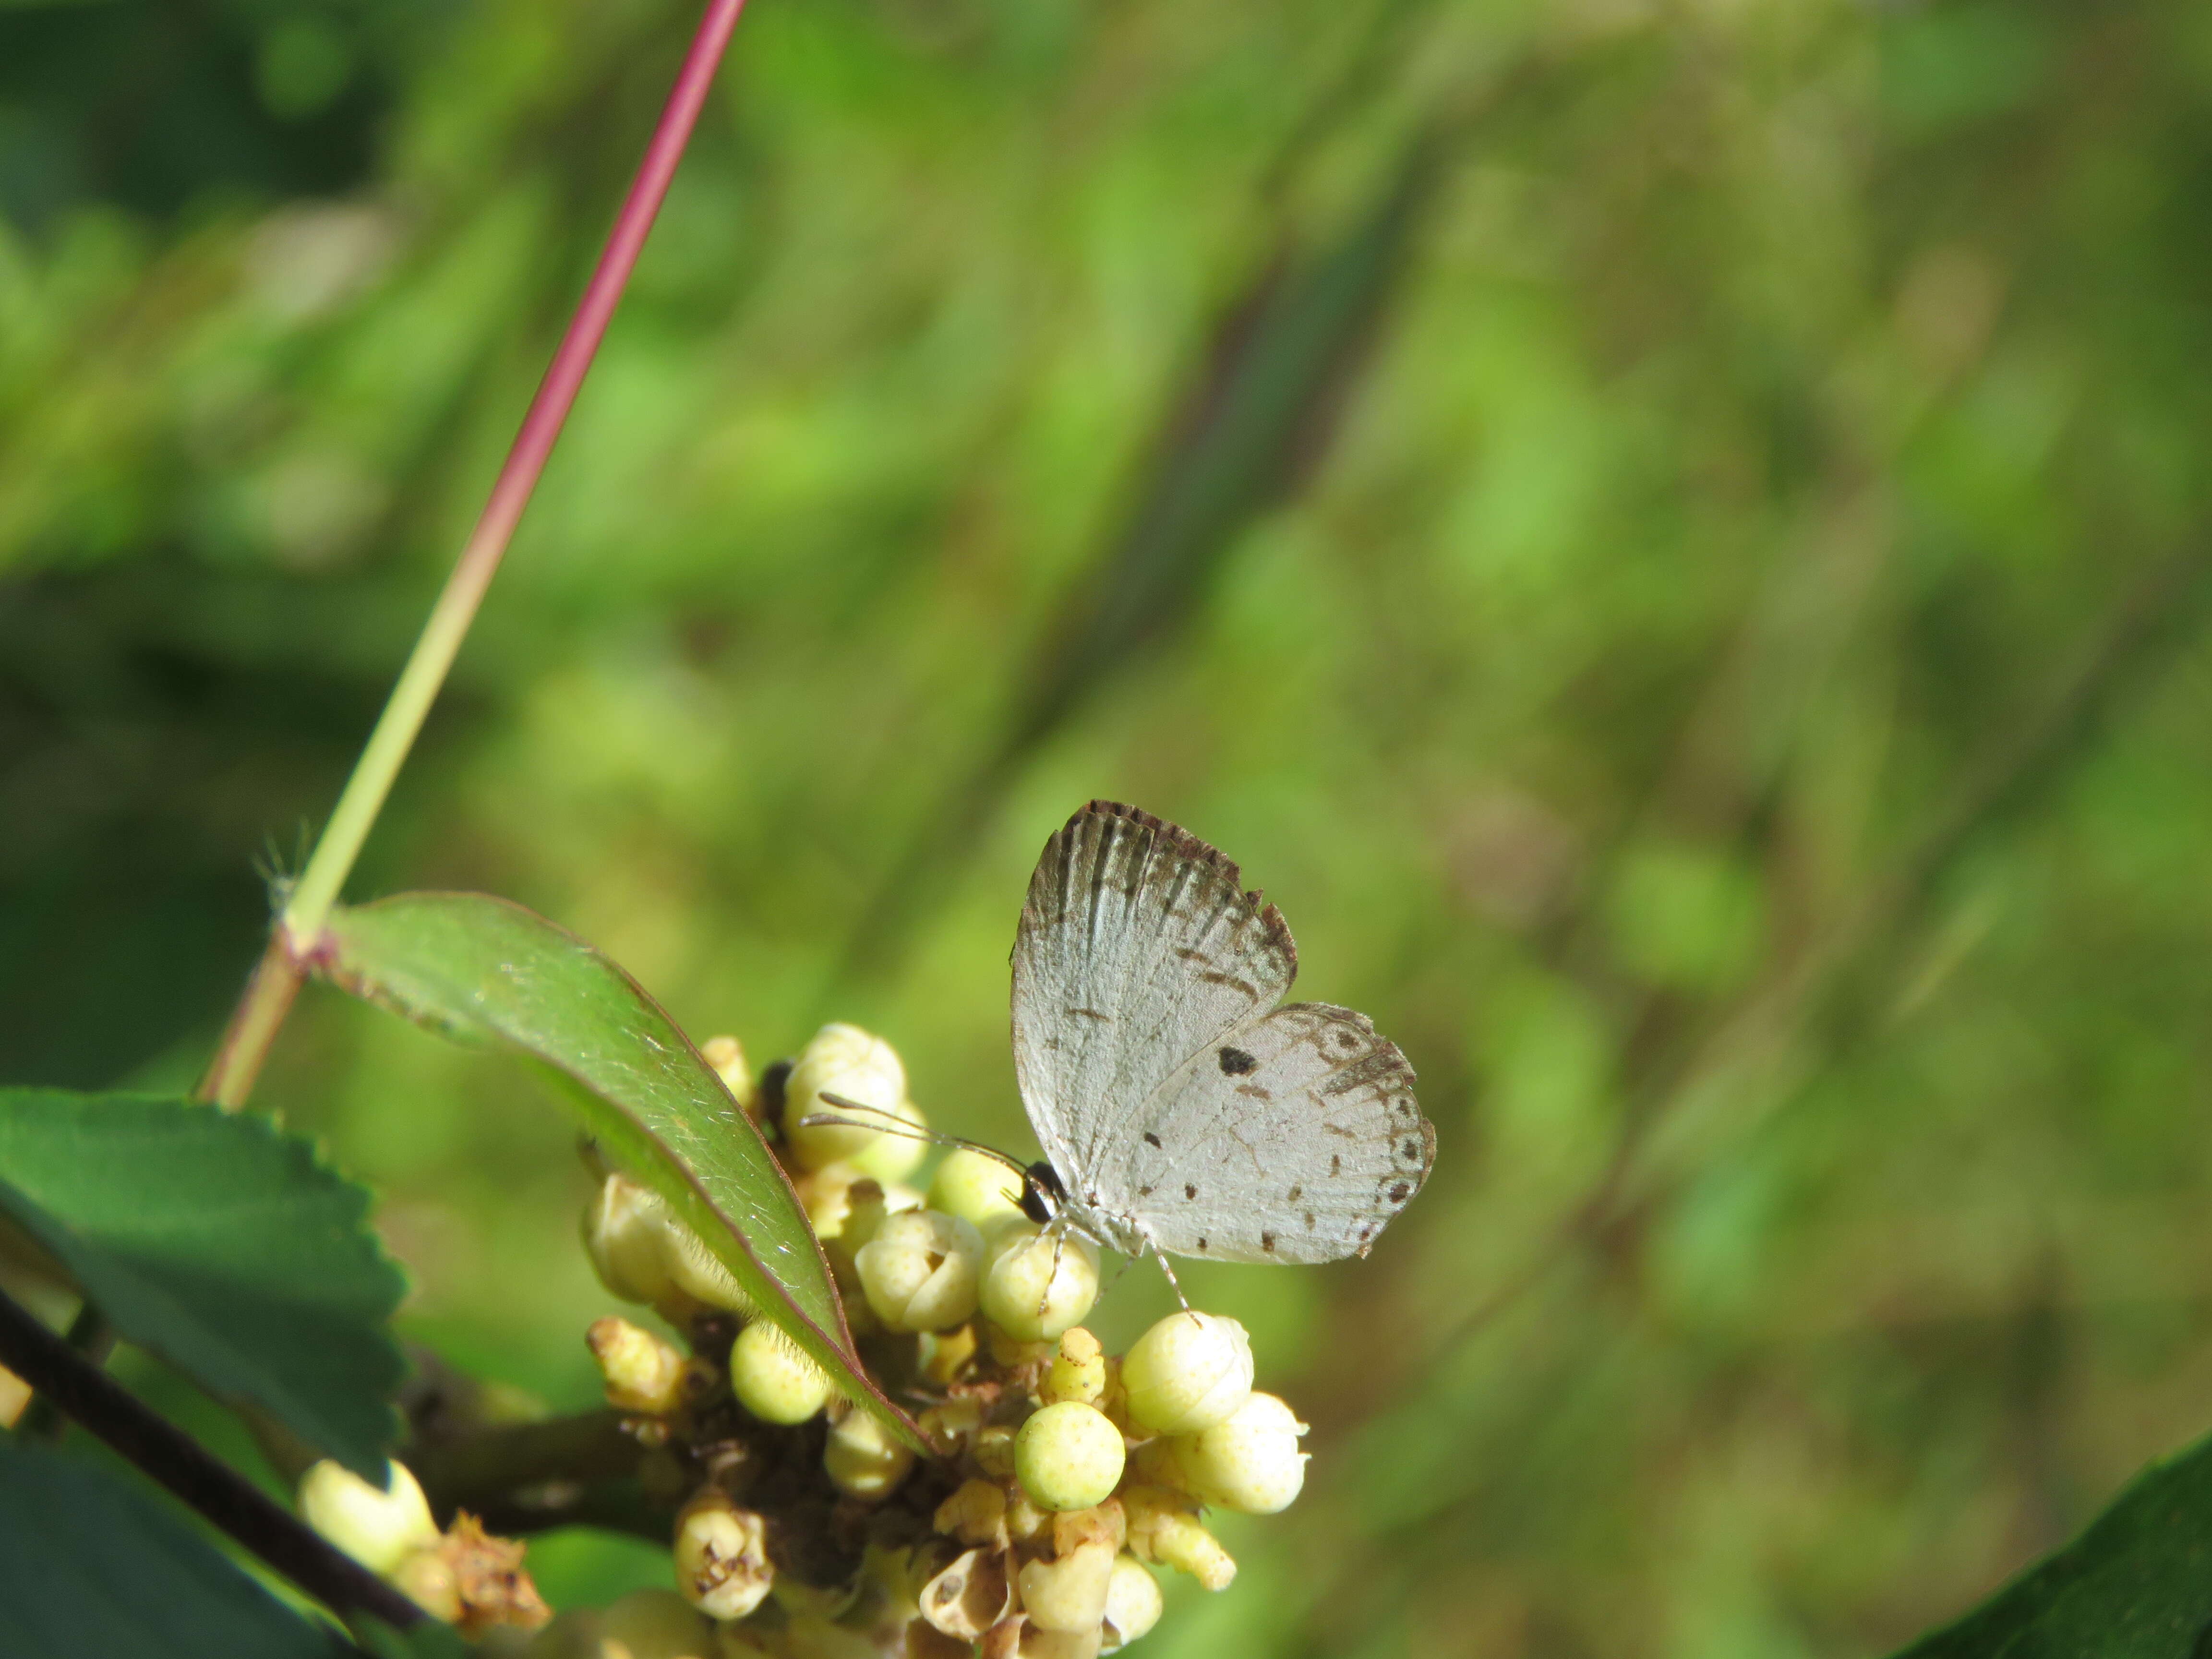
x: 91, y: 1566
x: 222, y: 1243
x: 2136, y: 1585
x: 482, y: 968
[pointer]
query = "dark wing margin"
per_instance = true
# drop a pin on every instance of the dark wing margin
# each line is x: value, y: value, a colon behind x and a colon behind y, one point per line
x: 1057, y: 863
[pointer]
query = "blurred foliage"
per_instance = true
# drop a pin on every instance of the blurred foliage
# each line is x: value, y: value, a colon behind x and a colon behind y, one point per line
x: 1703, y: 639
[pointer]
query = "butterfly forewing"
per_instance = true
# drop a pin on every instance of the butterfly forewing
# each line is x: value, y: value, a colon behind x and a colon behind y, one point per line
x: 1294, y: 1138
x: 1138, y: 947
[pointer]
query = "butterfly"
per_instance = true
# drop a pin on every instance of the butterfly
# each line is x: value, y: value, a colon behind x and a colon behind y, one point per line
x: 1184, y: 1107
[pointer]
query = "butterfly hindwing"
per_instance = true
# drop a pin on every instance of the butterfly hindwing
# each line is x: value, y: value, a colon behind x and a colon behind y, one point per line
x: 1294, y: 1137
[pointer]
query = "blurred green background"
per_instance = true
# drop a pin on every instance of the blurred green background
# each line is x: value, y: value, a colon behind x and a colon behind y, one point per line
x: 1669, y: 539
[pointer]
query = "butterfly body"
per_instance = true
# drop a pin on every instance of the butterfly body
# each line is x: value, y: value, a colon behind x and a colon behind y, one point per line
x: 1184, y: 1107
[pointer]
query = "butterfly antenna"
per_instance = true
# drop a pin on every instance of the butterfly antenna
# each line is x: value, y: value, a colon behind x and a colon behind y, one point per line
x: 890, y: 1123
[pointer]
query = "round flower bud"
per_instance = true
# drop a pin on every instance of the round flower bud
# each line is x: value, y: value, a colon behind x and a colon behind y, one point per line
x: 654, y: 1624
x: 1035, y: 1287
x: 1251, y: 1462
x: 862, y: 1459
x: 772, y: 1379
x: 1069, y: 1593
x: 978, y: 1189
x: 1068, y: 1457
x: 1133, y: 1602
x: 848, y: 1062
x: 919, y: 1270
x: 625, y: 1226
x: 721, y: 1557
x: 379, y: 1529
x: 1187, y: 1373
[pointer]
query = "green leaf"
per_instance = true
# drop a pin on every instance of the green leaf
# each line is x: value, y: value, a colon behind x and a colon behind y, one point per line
x: 482, y: 968
x: 222, y: 1243
x: 2136, y: 1585
x: 91, y: 1566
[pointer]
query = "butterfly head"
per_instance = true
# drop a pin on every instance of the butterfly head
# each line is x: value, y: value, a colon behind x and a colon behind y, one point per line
x: 1042, y: 1192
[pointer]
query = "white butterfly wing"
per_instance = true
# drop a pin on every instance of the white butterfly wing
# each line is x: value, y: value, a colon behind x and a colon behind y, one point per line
x: 1295, y: 1137
x: 1138, y: 948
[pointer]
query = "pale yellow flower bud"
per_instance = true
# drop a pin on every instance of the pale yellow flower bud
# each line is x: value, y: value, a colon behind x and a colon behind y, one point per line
x: 1078, y: 1370
x: 1249, y: 1462
x: 980, y: 1190
x: 919, y: 1270
x: 863, y: 1460
x: 1069, y: 1593
x: 721, y: 1557
x: 1068, y: 1457
x: 625, y: 1229
x: 1133, y: 1602
x: 426, y: 1578
x: 772, y: 1379
x: 946, y: 1354
x: 847, y: 1061
x: 1187, y: 1373
x: 727, y: 1056
x: 379, y: 1529
x: 1035, y: 1287
x: 644, y: 1372
x: 653, y: 1624
x: 1163, y: 1529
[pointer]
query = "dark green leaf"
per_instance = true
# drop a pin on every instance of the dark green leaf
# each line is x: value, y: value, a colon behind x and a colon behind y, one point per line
x: 2136, y: 1585
x: 428, y: 1640
x: 91, y: 1567
x: 222, y: 1243
x: 481, y: 968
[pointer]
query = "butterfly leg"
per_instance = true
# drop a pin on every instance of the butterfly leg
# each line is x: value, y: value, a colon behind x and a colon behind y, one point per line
x: 1057, y: 1227
x: 1161, y: 1256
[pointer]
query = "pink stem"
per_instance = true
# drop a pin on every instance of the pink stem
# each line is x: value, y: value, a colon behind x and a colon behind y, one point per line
x: 268, y: 995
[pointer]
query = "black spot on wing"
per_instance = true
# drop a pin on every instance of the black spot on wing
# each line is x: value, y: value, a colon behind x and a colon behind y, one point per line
x: 1235, y: 1062
x: 1151, y: 1139
x: 1189, y: 1190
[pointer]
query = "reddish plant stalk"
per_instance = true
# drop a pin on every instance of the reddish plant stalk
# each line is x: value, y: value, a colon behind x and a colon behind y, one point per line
x: 268, y: 995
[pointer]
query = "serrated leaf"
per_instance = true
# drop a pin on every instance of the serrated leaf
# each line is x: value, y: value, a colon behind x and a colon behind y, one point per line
x: 482, y: 969
x: 2136, y: 1585
x: 91, y: 1566
x: 222, y: 1243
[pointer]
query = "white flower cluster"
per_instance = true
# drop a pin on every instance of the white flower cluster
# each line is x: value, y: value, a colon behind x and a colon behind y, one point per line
x: 1062, y: 1474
